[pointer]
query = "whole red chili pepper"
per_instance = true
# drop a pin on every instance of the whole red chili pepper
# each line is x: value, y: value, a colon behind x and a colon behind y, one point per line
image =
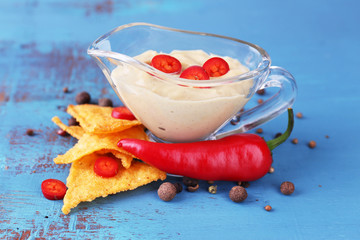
x: 239, y: 157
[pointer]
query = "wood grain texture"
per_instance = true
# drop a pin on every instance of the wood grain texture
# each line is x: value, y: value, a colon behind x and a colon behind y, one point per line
x: 43, y: 49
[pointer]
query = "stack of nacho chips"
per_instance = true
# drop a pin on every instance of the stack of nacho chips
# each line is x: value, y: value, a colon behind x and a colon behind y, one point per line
x: 98, y: 134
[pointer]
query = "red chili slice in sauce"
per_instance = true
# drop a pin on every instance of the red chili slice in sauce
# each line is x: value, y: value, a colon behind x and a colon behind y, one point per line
x: 216, y: 67
x: 195, y: 73
x: 106, y: 167
x: 166, y: 63
x: 53, y: 189
x: 122, y: 113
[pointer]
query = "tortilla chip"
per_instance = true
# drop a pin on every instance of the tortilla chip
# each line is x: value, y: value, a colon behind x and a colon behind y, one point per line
x: 90, y: 143
x: 97, y: 119
x: 75, y: 131
x: 84, y: 185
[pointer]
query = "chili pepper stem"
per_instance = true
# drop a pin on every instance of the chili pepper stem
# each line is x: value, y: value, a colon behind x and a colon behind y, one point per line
x: 272, y: 144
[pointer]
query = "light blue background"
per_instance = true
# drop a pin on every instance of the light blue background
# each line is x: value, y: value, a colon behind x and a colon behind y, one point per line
x: 43, y: 49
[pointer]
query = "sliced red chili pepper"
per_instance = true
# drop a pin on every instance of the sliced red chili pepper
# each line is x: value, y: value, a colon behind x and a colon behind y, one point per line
x: 195, y: 73
x: 166, y: 63
x: 122, y: 113
x: 106, y: 167
x: 53, y: 189
x: 216, y: 67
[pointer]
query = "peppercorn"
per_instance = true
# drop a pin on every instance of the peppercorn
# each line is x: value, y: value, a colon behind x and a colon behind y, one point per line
x: 299, y: 115
x: 62, y: 133
x: 295, y: 141
x: 238, y: 194
x: 260, y: 101
x: 83, y: 98
x: 212, y: 189
x: 166, y: 191
x: 259, y: 130
x: 268, y: 208
x: 190, y: 181
x: 277, y: 135
x: 234, y: 122
x: 312, y: 144
x: 105, y: 102
x: 65, y: 89
x: 287, y: 188
x: 178, y: 187
x: 261, y: 91
x: 30, y: 132
x: 192, y: 188
x: 72, y: 122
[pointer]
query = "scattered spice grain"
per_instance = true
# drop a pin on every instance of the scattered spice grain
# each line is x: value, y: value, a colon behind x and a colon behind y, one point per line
x: 261, y: 91
x: 66, y: 90
x: 30, y: 132
x: 268, y: 208
x: 259, y: 130
x: 83, y: 98
x: 192, y: 188
x: 166, y: 191
x: 238, y: 194
x: 212, y: 189
x: 178, y: 187
x: 299, y: 115
x: 287, y: 188
x: 312, y: 144
x: 105, y: 102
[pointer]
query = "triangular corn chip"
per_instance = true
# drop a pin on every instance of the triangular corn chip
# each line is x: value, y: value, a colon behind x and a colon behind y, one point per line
x: 85, y: 185
x: 97, y: 119
x: 75, y: 131
x: 90, y: 143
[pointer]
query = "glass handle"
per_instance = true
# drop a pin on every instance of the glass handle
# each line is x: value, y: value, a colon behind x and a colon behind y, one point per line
x: 269, y: 109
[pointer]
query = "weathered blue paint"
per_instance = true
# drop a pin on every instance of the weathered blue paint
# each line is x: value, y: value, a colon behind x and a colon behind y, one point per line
x: 43, y: 49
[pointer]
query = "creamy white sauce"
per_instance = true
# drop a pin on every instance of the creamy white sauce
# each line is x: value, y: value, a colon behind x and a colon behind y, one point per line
x: 178, y: 113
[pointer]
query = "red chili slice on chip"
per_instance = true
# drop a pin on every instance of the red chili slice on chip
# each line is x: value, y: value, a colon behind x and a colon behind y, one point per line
x: 166, y: 63
x: 195, y: 73
x: 53, y: 189
x: 122, y: 113
x: 106, y: 167
x: 216, y: 67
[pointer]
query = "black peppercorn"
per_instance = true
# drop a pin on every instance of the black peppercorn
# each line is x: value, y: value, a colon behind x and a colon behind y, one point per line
x: 83, y: 98
x: 105, y: 102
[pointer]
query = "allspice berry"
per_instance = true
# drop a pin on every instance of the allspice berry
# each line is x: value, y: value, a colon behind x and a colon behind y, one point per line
x: 238, y: 194
x: 166, y: 191
x: 287, y: 188
x: 82, y: 98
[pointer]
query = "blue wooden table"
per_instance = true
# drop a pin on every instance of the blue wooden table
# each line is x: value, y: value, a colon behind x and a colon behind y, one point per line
x: 43, y: 49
